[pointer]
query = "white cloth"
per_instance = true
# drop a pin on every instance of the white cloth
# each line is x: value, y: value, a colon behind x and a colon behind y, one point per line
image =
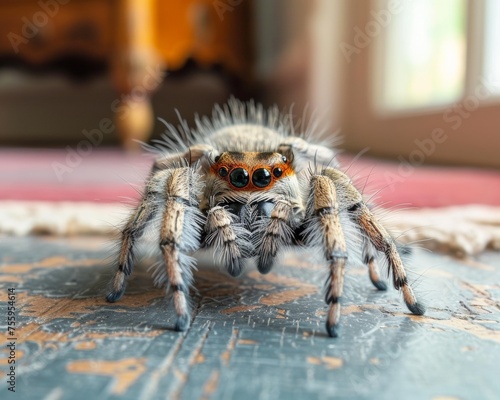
x: 462, y: 230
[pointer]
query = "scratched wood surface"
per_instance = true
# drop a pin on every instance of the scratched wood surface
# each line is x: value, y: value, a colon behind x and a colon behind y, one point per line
x: 256, y: 337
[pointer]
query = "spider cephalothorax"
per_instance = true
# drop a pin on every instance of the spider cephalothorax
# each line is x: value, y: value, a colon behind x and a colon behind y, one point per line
x: 246, y: 186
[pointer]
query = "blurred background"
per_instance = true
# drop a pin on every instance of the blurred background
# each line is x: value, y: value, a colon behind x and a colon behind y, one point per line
x: 411, y: 86
x: 416, y: 82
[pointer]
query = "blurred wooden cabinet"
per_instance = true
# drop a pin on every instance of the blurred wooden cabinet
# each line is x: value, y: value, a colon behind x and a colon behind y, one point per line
x: 136, y: 40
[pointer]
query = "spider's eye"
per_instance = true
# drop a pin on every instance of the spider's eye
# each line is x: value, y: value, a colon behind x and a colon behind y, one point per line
x: 223, y: 171
x: 217, y: 158
x: 239, y: 177
x: 284, y: 159
x: 261, y: 177
x: 277, y: 172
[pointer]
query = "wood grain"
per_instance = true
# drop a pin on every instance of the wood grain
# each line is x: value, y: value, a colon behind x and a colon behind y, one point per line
x: 259, y: 336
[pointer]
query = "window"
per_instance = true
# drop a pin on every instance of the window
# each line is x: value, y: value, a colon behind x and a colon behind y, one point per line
x: 491, y: 67
x: 422, y: 55
x: 432, y: 67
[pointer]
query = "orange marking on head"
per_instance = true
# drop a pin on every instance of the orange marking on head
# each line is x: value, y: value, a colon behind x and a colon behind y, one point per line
x: 239, y: 169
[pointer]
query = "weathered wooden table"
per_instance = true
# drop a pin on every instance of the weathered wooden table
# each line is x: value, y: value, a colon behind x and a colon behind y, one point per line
x: 257, y: 337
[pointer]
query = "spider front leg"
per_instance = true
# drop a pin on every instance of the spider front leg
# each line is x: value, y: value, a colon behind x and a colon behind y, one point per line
x: 132, y: 231
x: 323, y: 228
x: 172, y: 195
x: 179, y: 236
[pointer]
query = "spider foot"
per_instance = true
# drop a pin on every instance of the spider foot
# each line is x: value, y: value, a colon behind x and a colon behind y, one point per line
x: 332, y: 329
x: 333, y: 317
x: 380, y: 285
x: 265, y: 264
x: 416, y: 308
x: 411, y: 301
x: 118, y: 287
x: 182, y: 323
x: 114, y: 296
x: 234, y: 267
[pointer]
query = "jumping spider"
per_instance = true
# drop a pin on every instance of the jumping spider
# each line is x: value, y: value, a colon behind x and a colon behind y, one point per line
x: 244, y: 185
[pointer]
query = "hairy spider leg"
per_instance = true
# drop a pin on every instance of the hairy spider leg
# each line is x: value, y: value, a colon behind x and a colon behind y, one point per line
x: 228, y: 237
x: 171, y: 194
x: 384, y: 243
x: 323, y: 227
x: 369, y: 253
x: 133, y: 230
x: 276, y: 233
x: 179, y: 236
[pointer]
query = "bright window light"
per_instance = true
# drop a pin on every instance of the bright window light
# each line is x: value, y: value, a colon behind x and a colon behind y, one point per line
x: 491, y: 46
x: 421, y: 55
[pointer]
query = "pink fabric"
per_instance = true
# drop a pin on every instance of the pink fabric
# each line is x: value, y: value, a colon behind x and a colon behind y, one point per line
x: 424, y: 186
x: 102, y: 176
x: 107, y: 175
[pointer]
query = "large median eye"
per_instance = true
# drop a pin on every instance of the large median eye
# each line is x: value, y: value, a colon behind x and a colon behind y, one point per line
x: 239, y: 177
x: 261, y: 177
